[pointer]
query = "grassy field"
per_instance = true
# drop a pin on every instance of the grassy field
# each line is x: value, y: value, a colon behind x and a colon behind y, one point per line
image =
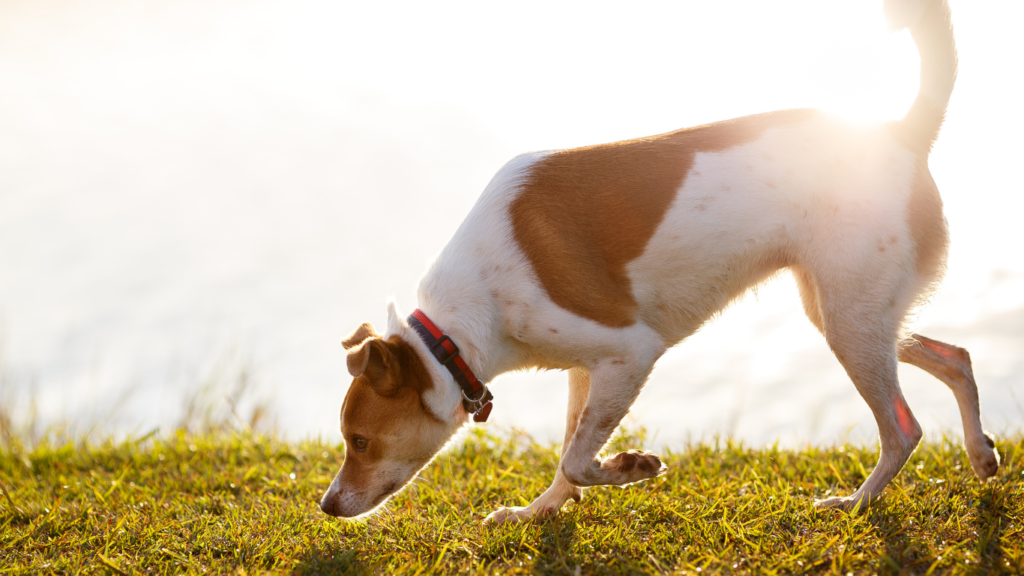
x: 242, y: 503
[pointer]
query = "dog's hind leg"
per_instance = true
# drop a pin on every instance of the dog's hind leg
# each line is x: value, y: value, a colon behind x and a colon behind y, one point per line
x: 861, y: 314
x: 560, y: 491
x: 952, y: 365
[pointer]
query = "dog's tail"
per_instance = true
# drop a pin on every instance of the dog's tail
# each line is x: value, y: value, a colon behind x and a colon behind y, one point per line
x: 929, y: 24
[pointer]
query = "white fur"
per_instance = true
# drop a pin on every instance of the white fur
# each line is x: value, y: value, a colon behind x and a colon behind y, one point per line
x: 929, y: 23
x: 904, y: 13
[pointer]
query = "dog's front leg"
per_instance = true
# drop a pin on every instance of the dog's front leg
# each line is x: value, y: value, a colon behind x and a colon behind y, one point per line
x: 613, y: 386
x: 560, y: 491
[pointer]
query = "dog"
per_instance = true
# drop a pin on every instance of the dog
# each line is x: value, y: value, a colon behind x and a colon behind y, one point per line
x: 596, y: 260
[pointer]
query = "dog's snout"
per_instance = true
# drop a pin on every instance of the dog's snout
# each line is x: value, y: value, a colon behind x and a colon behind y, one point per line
x: 327, y: 504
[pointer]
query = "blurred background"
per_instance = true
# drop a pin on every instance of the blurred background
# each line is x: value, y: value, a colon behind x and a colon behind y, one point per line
x: 200, y: 198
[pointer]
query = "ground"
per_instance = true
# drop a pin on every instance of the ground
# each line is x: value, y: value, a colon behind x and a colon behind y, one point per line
x: 242, y: 503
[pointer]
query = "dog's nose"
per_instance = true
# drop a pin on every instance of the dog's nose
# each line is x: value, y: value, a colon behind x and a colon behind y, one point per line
x: 327, y: 505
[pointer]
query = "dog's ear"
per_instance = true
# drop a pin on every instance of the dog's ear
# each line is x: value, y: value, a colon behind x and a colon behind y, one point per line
x: 375, y: 361
x: 395, y: 322
x: 364, y: 331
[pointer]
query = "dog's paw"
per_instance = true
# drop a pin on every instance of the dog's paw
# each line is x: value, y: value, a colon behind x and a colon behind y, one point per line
x: 984, y: 458
x: 519, y: 514
x: 845, y: 503
x: 633, y: 466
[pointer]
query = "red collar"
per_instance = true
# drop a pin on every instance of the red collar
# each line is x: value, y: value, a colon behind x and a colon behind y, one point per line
x: 476, y: 398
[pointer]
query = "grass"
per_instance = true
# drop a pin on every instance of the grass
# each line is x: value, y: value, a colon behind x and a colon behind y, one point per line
x: 242, y: 503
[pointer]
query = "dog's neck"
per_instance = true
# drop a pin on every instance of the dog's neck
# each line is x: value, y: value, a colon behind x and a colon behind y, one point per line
x: 477, y: 339
x: 446, y: 398
x: 464, y: 310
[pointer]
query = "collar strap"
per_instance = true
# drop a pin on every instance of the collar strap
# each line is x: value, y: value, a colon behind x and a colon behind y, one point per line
x: 476, y: 398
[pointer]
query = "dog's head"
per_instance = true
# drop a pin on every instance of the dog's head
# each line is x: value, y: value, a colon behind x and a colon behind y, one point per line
x: 390, y: 431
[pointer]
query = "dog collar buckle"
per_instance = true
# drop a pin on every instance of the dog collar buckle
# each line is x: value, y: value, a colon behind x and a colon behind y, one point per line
x: 440, y: 351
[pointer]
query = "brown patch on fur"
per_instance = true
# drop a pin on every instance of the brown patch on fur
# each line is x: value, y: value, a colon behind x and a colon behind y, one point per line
x: 585, y: 414
x: 356, y: 473
x: 389, y: 391
x: 583, y: 214
x: 608, y: 421
x: 927, y: 226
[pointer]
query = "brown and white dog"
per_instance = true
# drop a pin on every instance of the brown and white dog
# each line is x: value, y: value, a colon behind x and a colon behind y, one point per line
x: 596, y: 260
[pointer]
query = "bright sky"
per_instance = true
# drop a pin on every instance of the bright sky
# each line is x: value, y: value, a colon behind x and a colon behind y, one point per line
x: 182, y: 178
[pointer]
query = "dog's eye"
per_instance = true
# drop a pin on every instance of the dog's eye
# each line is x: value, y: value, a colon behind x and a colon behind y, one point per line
x: 360, y: 443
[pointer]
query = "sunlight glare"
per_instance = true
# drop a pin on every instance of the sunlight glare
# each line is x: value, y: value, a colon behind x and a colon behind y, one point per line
x: 872, y: 74
x: 213, y: 167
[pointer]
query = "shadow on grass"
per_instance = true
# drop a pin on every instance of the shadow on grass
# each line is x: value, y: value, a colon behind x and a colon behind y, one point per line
x: 332, y: 558
x: 906, y: 553
x: 555, y: 547
x: 548, y: 548
x: 989, y: 523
